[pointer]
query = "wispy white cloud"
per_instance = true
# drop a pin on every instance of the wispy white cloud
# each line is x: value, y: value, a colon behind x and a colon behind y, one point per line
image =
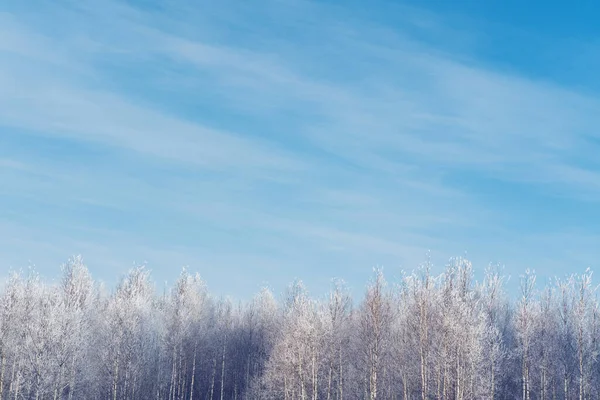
x: 104, y: 118
x: 423, y: 104
x: 303, y: 138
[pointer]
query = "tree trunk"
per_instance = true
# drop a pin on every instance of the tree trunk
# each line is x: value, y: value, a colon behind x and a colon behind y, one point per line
x: 493, y: 386
x: 247, y: 380
x: 373, y: 382
x: 301, y: 373
x: 472, y: 379
x: 158, y: 375
x: 526, y: 385
x: 193, y: 371
x: 2, y: 376
x: 580, y: 337
x: 458, y: 378
x: 132, y: 386
x: 115, y: 379
x: 524, y: 376
x: 126, y: 383
x: 329, y: 381
x: 314, y: 376
x: 543, y: 381
x: 12, y: 378
x: 439, y: 380
x: 57, y: 387
x: 340, y: 378
x: 180, y: 372
x: 212, y: 383
x: 445, y: 383
x: 422, y: 351
x: 72, y: 381
x: 223, y: 366
x: 173, y: 374
x: 18, y: 382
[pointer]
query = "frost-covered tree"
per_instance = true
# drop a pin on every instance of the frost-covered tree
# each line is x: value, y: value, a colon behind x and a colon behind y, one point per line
x: 525, y: 319
x: 375, y: 321
x: 337, y: 324
x: 428, y: 336
x: 496, y: 315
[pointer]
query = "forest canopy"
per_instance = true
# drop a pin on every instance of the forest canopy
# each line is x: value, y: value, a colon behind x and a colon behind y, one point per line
x: 425, y: 337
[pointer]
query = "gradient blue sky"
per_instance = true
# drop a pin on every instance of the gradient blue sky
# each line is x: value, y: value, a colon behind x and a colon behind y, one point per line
x: 261, y: 141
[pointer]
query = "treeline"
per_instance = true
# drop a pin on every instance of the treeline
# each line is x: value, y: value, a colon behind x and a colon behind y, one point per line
x: 425, y: 337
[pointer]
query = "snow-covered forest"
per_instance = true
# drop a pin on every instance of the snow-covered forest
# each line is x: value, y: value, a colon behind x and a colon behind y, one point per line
x: 423, y: 337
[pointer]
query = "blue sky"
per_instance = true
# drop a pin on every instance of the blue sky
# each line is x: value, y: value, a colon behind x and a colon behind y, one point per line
x: 257, y: 142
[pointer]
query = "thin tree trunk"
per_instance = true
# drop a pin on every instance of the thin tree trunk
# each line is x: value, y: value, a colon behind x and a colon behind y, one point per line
x: 183, y: 383
x: 223, y: 366
x: 173, y: 374
x: 439, y: 381
x: 524, y: 376
x: 472, y: 379
x: 212, y: 383
x: 445, y: 383
x: 527, y: 385
x: 2, y: 376
x: 72, y: 381
x: 543, y: 379
x: 180, y: 372
x: 493, y: 388
x: 301, y: 373
x: 458, y: 377
x: 373, y: 383
x: 58, y: 384
x: 158, y: 375
x: 422, y: 354
x: 340, y: 380
x: 423, y: 378
x: 126, y: 383
x: 314, y: 376
x: 580, y: 363
x: 423, y: 341
x: 18, y: 381
x: 115, y: 379
x: 12, y: 378
x: 329, y: 381
x: 134, y: 386
x: 247, y: 380
x: 193, y: 371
